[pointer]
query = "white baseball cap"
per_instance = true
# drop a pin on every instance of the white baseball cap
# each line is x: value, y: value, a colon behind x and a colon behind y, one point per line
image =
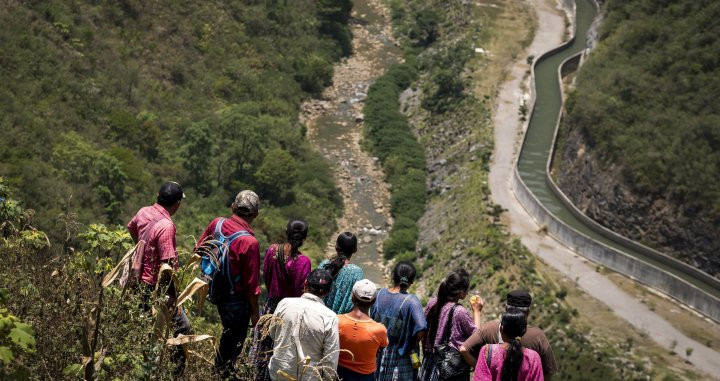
x: 365, y: 290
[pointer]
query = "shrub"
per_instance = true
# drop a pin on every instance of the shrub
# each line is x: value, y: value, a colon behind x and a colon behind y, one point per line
x: 389, y: 137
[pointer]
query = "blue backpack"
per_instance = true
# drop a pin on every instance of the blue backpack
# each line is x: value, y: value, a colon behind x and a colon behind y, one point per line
x: 215, y: 264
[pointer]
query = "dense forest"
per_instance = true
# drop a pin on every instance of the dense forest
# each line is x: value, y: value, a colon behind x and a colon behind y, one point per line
x: 645, y: 104
x: 101, y: 103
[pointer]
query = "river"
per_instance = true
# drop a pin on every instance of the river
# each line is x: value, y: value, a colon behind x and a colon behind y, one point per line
x: 335, y: 125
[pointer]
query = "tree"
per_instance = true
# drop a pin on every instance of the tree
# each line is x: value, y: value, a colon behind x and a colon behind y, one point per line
x: 81, y: 162
x: 197, y: 154
x: 276, y: 175
x: 240, y: 139
x: 314, y: 74
x: 426, y: 29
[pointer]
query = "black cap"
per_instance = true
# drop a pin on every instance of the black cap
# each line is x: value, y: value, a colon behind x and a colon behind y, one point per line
x: 320, y: 280
x: 519, y: 298
x: 170, y: 193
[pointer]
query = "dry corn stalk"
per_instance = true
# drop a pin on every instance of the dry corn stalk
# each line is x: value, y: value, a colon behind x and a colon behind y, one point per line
x: 112, y: 275
x: 198, y: 286
x: 186, y: 339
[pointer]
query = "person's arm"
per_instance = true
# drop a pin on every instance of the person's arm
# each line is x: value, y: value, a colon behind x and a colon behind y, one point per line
x: 482, y: 372
x: 167, y: 253
x: 547, y: 356
x: 477, y: 307
x: 468, y: 349
x: 420, y: 340
x: 303, y: 270
x: 166, y: 244
x: 254, y: 310
x: 132, y: 229
x: 266, y: 266
x: 535, y: 369
x: 331, y: 347
x: 469, y: 359
x: 253, y: 280
x: 418, y: 316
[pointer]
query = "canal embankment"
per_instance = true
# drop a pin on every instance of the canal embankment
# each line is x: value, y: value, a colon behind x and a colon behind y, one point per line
x: 508, y: 134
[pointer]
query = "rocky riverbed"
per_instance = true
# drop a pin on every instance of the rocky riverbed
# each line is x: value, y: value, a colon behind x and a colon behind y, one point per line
x: 335, y: 125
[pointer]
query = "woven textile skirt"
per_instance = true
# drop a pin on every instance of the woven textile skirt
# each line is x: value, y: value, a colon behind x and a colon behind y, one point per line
x: 262, y: 347
x: 389, y: 362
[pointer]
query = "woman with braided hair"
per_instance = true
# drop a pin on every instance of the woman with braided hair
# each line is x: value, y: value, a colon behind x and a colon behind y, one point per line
x: 344, y: 273
x: 509, y: 361
x: 285, y: 270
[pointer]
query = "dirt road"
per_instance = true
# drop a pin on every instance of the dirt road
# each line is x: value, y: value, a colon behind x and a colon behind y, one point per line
x: 507, y: 141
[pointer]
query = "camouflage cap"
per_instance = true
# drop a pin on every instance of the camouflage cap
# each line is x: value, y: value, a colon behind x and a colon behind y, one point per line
x: 246, y: 202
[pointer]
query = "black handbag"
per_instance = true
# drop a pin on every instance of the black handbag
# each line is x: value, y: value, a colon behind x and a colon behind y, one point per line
x: 449, y: 363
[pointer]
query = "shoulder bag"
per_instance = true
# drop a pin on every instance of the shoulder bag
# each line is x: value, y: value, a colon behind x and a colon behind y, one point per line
x: 449, y: 362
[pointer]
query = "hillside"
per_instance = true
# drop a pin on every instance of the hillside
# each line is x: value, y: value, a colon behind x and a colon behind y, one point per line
x: 101, y: 103
x: 450, y: 109
x: 639, y: 147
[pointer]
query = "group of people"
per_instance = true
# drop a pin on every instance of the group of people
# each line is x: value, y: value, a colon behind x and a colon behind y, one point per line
x: 330, y: 323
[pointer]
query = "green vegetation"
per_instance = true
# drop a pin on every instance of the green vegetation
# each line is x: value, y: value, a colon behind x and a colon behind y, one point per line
x: 17, y: 339
x: 72, y: 328
x: 389, y: 137
x: 101, y: 102
x: 462, y: 229
x: 387, y: 132
x: 645, y: 99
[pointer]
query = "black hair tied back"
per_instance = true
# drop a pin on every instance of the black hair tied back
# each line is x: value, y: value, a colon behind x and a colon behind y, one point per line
x: 514, y: 325
x: 403, y: 274
x: 297, y: 231
x: 345, y: 246
x: 454, y: 285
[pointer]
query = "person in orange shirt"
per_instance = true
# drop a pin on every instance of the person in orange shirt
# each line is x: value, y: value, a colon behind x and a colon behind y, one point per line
x: 360, y: 336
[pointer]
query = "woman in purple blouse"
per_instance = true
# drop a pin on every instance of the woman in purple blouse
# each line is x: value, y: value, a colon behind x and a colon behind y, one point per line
x: 443, y: 310
x: 285, y: 270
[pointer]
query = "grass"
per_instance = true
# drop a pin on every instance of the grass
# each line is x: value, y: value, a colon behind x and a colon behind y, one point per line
x: 600, y: 322
x: 684, y: 320
x: 462, y: 227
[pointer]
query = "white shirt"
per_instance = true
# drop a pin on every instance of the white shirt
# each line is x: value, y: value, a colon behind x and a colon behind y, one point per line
x: 306, y: 344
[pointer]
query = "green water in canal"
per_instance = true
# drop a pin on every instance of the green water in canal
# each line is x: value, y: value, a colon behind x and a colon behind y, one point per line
x: 538, y: 143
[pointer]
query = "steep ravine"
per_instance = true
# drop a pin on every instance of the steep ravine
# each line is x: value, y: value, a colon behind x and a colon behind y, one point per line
x: 584, y: 275
x: 335, y: 125
x: 604, y: 195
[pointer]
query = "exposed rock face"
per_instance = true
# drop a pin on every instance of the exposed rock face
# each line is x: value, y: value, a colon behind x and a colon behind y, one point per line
x: 604, y: 195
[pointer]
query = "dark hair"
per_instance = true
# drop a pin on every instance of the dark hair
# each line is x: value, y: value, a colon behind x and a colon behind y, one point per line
x: 319, y: 282
x: 454, y: 284
x: 362, y: 303
x: 345, y: 246
x: 513, y: 325
x: 296, y: 232
x: 403, y: 274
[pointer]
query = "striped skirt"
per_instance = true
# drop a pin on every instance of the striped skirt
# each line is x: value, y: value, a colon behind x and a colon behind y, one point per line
x: 390, y: 364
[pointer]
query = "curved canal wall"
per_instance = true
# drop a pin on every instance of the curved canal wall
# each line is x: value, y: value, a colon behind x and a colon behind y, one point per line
x: 674, y: 278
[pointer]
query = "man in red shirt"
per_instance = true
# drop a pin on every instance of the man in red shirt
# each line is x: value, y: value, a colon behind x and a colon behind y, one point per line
x: 239, y: 306
x: 154, y: 225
